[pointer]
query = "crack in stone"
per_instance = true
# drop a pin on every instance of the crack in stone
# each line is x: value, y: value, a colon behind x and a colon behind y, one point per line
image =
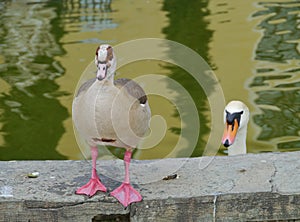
x: 41, y: 205
x: 229, y: 185
x: 232, y: 187
x: 273, y: 185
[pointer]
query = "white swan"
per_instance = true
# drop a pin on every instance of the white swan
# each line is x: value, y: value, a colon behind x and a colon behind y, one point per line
x: 111, y: 112
x: 236, y: 117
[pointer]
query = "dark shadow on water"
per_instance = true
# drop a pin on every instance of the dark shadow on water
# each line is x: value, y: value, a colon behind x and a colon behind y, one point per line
x: 32, y: 126
x: 187, y: 26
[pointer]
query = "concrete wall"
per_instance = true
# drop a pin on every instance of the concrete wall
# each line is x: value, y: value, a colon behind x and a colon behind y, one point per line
x: 252, y: 187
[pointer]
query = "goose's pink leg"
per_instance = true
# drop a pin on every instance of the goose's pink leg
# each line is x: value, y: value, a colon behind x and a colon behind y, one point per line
x: 125, y: 193
x: 94, y: 184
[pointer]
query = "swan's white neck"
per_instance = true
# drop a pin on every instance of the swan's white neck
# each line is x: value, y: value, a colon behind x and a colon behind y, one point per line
x: 239, y: 145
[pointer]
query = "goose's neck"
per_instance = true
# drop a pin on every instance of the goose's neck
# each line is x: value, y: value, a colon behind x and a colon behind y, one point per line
x: 112, y: 70
x: 110, y: 77
x: 239, y: 145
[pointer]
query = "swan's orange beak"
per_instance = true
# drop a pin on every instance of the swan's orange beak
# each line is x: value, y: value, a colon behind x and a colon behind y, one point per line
x: 230, y: 133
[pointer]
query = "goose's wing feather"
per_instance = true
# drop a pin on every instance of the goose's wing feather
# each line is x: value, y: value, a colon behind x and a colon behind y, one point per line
x: 132, y: 88
x: 85, y: 86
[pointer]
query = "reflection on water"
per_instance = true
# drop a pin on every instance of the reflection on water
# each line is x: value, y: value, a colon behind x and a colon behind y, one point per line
x: 280, y: 33
x: 85, y: 16
x: 46, y: 45
x: 31, y: 116
x: 188, y: 26
x: 277, y: 75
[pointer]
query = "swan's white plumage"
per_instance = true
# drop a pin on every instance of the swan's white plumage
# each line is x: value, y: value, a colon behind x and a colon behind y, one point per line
x: 239, y: 144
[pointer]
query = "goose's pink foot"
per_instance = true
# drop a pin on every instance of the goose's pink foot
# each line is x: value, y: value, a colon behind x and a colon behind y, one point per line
x: 126, y: 194
x: 94, y: 185
x: 91, y: 188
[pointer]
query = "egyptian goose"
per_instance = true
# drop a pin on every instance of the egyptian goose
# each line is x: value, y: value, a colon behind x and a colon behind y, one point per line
x: 111, y: 112
x: 236, y: 117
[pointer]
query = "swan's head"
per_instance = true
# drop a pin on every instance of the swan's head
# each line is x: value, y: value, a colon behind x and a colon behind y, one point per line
x: 236, y: 117
x: 105, y: 61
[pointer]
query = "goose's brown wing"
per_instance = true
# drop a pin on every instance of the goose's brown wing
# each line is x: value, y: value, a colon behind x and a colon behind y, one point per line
x: 85, y: 86
x: 134, y: 89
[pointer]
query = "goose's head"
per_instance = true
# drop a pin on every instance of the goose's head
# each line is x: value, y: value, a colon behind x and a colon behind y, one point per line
x: 236, y: 117
x: 105, y: 60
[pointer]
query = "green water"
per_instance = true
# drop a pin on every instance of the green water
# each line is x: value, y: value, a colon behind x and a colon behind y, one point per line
x: 45, y: 46
x: 280, y: 44
x: 31, y: 115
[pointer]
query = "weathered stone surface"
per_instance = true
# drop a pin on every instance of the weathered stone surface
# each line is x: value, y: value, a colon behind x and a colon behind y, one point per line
x: 252, y: 187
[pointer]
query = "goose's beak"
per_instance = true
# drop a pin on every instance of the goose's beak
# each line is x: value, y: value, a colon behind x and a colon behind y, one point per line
x: 230, y: 133
x: 101, y: 71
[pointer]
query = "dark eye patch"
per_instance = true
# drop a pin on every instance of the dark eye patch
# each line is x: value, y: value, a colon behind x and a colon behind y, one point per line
x: 230, y: 117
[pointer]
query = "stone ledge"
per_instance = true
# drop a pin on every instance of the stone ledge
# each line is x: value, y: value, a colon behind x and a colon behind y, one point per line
x: 252, y: 187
